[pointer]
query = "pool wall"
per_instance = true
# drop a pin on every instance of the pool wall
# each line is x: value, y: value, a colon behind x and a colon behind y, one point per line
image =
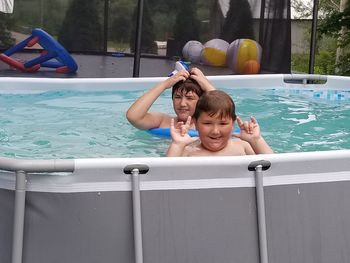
x: 291, y: 207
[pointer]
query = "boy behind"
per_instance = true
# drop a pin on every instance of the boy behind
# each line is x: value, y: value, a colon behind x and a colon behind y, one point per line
x: 214, y: 119
x: 187, y: 88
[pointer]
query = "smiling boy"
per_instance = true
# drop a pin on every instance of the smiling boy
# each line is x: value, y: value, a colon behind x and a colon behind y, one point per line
x: 214, y: 119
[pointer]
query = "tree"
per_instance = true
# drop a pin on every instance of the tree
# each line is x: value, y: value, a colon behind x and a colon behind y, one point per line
x: 6, y: 40
x: 148, y: 44
x: 121, y: 21
x: 337, y: 24
x: 303, y: 9
x: 81, y: 29
x: 52, y: 16
x: 238, y: 22
x: 186, y: 24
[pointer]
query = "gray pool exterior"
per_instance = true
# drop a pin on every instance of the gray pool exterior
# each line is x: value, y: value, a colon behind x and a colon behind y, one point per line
x: 201, y: 209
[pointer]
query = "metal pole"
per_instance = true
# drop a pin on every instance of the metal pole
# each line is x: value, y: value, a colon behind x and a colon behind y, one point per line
x: 42, y: 13
x: 105, y: 26
x: 313, y: 37
x: 137, y: 47
x: 136, y: 200
x: 18, y: 224
x: 260, y: 199
x: 262, y: 22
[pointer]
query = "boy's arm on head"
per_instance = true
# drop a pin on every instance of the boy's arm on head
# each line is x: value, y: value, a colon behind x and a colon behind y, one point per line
x: 138, y: 114
x: 150, y: 120
x: 202, y: 80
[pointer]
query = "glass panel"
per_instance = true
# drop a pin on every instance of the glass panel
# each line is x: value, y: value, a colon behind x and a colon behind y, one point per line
x: 76, y: 24
x: 109, y: 26
x: 121, y: 24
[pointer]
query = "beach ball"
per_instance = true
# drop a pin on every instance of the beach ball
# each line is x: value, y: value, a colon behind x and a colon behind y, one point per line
x: 251, y: 67
x: 240, y: 56
x: 192, y: 51
x: 214, y: 52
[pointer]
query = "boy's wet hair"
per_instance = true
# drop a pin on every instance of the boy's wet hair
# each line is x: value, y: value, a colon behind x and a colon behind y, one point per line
x: 216, y: 103
x: 187, y: 86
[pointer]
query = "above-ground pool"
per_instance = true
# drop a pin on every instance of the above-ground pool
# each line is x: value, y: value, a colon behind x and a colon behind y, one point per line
x: 56, y: 122
x: 57, y: 205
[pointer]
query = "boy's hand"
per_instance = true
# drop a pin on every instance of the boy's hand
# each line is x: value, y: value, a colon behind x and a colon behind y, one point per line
x: 181, y: 75
x: 179, y: 132
x: 250, y: 130
x: 198, y: 76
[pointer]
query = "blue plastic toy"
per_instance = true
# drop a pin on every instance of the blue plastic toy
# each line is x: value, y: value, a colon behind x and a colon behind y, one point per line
x: 180, y: 65
x: 52, y: 50
x: 165, y: 132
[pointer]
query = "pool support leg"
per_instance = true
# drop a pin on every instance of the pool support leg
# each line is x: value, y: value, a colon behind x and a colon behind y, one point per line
x: 18, y: 224
x: 135, y: 171
x: 136, y: 200
x: 258, y: 168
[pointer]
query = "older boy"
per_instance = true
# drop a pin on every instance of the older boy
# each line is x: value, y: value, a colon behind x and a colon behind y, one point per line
x: 187, y: 88
x: 214, y: 118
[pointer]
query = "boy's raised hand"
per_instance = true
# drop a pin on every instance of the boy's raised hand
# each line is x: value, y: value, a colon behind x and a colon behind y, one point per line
x: 202, y: 80
x: 181, y: 75
x: 179, y: 132
x: 249, y: 130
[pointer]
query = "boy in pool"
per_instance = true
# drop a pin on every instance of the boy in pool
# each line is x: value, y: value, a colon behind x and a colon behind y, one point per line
x: 214, y: 118
x: 188, y: 86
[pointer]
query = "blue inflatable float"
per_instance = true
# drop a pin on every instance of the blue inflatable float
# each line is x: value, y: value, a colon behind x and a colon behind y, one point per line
x: 165, y: 132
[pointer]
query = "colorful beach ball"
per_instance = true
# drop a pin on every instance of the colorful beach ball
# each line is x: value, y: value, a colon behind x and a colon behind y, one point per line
x: 192, y: 51
x: 214, y: 52
x: 244, y: 56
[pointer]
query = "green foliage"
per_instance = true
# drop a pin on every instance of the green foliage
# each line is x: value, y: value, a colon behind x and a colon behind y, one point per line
x: 333, y: 24
x: 148, y: 44
x: 303, y: 9
x: 81, y: 29
x: 121, y: 21
x: 238, y: 14
x: 324, y: 63
x: 53, y: 15
x: 337, y: 25
x: 186, y: 26
x: 6, y: 40
x: 300, y: 63
x: 344, y: 65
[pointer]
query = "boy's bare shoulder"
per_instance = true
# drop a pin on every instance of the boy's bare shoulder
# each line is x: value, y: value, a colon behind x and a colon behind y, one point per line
x: 237, y: 141
x: 237, y: 146
x: 165, y: 119
x: 242, y: 146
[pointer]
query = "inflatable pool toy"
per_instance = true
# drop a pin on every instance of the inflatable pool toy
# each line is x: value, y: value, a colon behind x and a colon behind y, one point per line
x: 251, y: 67
x: 52, y: 50
x: 214, y: 52
x: 240, y: 55
x: 192, y: 51
x: 179, y: 65
x: 165, y: 132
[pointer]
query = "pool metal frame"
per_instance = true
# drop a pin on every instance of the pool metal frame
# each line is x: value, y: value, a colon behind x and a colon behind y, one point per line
x: 22, y: 167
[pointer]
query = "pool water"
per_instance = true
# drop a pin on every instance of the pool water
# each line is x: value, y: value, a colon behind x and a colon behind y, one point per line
x: 78, y: 124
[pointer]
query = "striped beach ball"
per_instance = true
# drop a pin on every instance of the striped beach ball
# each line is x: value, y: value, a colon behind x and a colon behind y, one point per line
x: 214, y: 52
x: 192, y: 51
x: 244, y: 56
